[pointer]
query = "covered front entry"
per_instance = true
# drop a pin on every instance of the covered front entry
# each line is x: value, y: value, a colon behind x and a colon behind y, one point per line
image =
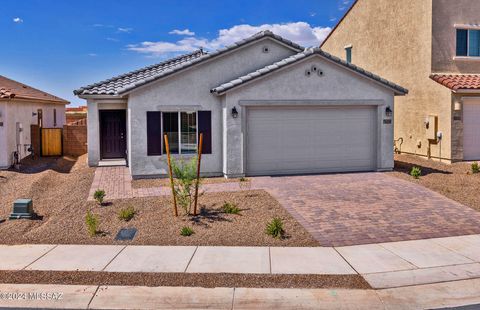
x: 113, y: 134
x: 471, y: 129
x: 292, y: 140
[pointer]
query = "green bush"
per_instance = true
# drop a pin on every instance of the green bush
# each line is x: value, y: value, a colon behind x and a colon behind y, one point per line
x: 475, y: 167
x: 126, y: 214
x: 275, y: 228
x: 185, y: 173
x: 186, y: 231
x: 99, y: 195
x: 230, y: 208
x: 416, y: 172
x: 92, y: 223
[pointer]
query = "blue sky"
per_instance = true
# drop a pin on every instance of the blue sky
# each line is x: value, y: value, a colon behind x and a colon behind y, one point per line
x: 58, y: 46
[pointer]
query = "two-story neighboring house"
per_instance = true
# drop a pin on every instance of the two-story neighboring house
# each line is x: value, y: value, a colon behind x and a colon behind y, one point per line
x: 431, y: 47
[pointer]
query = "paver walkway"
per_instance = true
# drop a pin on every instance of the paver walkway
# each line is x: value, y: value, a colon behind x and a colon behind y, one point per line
x: 433, y: 296
x: 385, y: 265
x: 339, y: 209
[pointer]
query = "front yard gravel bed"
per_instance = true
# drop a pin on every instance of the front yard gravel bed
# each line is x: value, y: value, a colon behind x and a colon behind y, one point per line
x: 454, y: 181
x: 59, y: 192
x: 184, y: 279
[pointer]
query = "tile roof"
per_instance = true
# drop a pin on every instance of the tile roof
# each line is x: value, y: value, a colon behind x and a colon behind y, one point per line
x: 129, y: 81
x: 458, y: 81
x: 295, y: 58
x: 10, y: 89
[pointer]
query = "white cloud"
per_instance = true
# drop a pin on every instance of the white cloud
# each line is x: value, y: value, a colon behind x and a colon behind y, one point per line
x: 112, y: 39
x: 92, y: 55
x: 184, y: 32
x: 18, y: 20
x: 125, y: 30
x: 299, y: 32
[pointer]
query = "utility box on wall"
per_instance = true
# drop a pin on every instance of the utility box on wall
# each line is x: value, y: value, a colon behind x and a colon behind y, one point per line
x: 432, y: 127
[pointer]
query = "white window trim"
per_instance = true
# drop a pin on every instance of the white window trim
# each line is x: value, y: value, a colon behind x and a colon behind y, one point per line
x: 467, y: 26
x: 179, y: 131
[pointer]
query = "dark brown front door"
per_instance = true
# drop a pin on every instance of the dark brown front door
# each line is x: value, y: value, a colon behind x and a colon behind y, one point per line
x: 113, y: 134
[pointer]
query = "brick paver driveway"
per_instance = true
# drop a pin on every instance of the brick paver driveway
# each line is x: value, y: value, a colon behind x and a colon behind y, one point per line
x: 361, y: 208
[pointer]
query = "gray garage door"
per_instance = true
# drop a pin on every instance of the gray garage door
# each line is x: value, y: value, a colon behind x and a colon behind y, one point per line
x: 289, y: 140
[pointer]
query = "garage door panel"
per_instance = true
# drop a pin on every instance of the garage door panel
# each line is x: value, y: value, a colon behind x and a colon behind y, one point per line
x: 284, y: 140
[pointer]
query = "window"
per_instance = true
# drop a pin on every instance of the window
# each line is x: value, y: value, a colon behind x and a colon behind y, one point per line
x: 182, y: 129
x: 468, y: 42
x: 170, y: 128
x: 54, y: 117
x: 348, y: 52
x: 188, y: 125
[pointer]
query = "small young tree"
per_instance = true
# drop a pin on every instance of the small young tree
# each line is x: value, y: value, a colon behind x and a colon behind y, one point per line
x: 185, y: 173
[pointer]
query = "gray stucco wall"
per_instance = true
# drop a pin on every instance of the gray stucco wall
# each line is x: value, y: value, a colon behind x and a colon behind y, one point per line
x: 291, y: 86
x: 190, y: 91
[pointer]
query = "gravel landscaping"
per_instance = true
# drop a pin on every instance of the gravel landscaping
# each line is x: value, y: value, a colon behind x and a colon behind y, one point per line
x: 454, y: 181
x: 59, y: 189
x: 184, y: 279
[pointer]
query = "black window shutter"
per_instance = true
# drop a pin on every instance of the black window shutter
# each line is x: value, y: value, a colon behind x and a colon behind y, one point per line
x: 462, y: 42
x: 154, y: 134
x: 205, y: 127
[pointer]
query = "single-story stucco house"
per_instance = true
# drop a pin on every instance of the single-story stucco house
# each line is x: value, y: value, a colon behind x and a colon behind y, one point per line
x: 265, y: 106
x: 20, y: 107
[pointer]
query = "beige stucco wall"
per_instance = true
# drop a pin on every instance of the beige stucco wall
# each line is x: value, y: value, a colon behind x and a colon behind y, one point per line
x: 393, y: 39
x: 447, y: 13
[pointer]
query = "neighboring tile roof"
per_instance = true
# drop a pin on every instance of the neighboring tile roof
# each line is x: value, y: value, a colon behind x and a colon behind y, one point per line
x: 126, y: 82
x: 290, y: 60
x: 10, y: 89
x: 458, y: 81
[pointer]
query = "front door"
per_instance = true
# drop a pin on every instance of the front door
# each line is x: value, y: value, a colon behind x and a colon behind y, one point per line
x: 113, y: 134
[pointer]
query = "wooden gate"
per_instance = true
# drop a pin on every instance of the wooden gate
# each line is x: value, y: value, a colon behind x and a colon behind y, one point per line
x: 51, y: 141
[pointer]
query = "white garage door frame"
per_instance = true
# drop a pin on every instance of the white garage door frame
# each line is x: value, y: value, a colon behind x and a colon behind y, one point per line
x: 246, y: 104
x: 471, y: 128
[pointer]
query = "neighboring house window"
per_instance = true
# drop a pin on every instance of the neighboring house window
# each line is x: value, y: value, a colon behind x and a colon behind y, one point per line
x: 468, y: 42
x: 40, y: 118
x: 181, y: 128
x: 348, y: 52
x: 54, y: 117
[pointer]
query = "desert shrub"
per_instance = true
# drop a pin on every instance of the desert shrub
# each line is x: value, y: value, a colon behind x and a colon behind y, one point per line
x: 230, y: 208
x: 186, y: 231
x: 275, y: 228
x: 185, y: 173
x: 99, y: 195
x: 475, y: 167
x: 126, y: 214
x: 92, y: 223
x: 416, y: 172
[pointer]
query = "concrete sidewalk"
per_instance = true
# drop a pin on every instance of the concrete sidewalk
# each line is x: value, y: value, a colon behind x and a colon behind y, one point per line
x: 452, y: 294
x: 383, y: 265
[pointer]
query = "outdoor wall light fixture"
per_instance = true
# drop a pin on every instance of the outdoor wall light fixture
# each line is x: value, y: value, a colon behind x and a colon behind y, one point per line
x: 388, y: 112
x: 234, y: 112
x: 34, y: 114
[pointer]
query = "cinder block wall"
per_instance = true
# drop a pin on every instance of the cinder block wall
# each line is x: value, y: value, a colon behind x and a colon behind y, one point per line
x: 74, y: 140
